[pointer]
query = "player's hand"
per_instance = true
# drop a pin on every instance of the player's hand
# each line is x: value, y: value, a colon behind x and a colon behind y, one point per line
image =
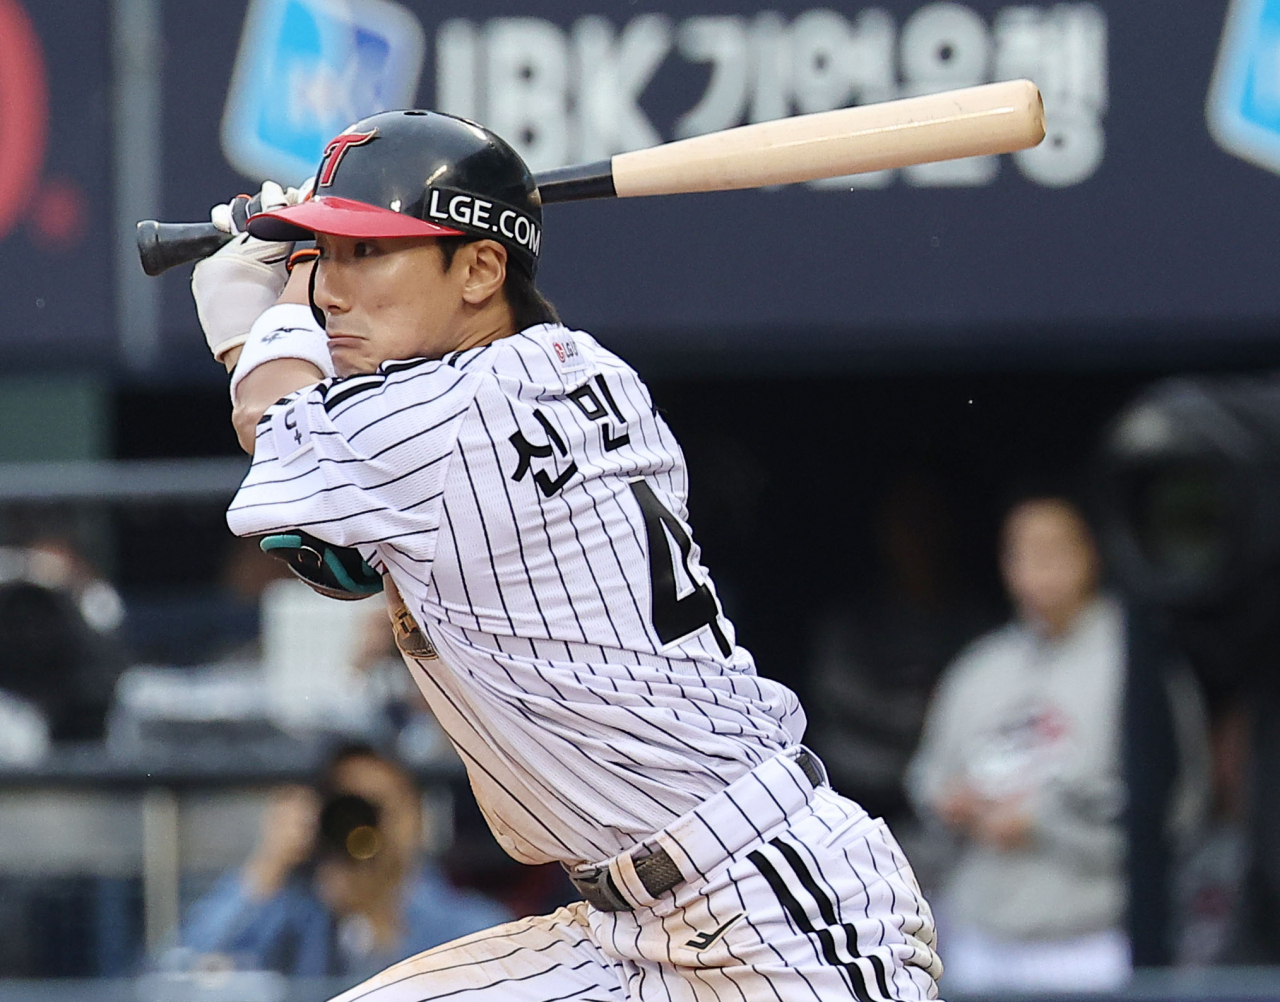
x: 233, y: 287
x: 233, y: 217
x: 286, y: 840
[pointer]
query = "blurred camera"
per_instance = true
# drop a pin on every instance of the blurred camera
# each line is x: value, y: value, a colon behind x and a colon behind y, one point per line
x: 1190, y: 504
x: 349, y: 828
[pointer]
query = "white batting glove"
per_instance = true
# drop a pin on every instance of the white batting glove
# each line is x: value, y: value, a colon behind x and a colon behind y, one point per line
x: 235, y: 286
x: 232, y: 217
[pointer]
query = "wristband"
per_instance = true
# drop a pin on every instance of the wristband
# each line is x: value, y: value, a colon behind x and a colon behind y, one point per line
x: 287, y: 330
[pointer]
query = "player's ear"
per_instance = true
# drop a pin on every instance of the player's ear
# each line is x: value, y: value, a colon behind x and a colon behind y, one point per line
x: 485, y: 270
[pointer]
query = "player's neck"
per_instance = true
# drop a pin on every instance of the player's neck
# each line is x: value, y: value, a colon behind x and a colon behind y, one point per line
x: 486, y: 325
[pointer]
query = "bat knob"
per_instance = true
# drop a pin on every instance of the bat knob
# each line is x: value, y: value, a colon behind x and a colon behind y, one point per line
x: 163, y: 245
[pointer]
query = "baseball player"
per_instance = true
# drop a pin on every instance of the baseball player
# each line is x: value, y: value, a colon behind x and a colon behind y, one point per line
x: 419, y: 419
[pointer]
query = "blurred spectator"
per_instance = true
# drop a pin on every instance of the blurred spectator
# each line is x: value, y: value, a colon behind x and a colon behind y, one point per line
x: 54, y: 562
x: 473, y: 858
x: 337, y: 884
x: 59, y: 654
x: 1020, y: 760
x: 876, y: 657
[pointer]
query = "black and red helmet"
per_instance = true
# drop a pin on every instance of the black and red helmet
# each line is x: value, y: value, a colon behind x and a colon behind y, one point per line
x: 417, y: 173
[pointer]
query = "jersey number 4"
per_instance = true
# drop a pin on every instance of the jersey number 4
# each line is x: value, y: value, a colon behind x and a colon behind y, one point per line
x: 675, y: 615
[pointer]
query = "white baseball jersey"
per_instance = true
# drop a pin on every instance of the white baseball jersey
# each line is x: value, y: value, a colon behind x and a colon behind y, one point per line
x: 530, y: 505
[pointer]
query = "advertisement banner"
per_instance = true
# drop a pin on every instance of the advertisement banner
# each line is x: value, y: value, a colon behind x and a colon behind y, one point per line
x: 1145, y: 220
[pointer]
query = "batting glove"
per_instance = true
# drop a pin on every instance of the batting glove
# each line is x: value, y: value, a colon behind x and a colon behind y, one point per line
x: 233, y: 217
x: 233, y: 287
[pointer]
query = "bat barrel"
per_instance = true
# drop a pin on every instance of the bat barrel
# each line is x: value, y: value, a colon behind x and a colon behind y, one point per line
x: 994, y: 118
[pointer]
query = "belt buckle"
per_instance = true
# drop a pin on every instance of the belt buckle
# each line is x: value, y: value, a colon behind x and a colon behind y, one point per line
x: 811, y: 766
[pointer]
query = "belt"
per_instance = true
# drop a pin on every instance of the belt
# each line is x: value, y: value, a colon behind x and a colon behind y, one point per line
x: 654, y: 866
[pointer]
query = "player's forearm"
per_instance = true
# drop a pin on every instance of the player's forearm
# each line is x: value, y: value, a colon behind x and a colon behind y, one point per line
x: 297, y: 289
x: 263, y: 387
x: 270, y: 381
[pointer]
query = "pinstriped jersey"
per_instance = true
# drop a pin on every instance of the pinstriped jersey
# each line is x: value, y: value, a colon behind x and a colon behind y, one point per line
x: 529, y: 504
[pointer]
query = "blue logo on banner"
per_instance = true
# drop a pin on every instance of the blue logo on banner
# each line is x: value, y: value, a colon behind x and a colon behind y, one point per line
x: 1244, y: 100
x: 306, y: 69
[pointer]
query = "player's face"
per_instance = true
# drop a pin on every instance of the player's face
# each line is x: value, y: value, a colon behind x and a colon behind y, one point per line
x: 387, y: 299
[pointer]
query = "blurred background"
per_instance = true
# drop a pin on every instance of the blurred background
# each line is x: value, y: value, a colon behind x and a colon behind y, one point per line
x: 986, y: 464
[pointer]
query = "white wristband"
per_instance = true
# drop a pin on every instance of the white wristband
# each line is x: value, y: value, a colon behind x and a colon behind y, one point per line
x: 287, y: 330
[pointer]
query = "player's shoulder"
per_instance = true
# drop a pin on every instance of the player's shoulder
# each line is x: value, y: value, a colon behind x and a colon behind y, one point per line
x: 552, y: 358
x: 400, y: 401
x: 393, y: 386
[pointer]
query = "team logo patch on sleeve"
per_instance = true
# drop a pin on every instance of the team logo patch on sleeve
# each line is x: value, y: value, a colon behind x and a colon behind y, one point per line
x: 292, y: 432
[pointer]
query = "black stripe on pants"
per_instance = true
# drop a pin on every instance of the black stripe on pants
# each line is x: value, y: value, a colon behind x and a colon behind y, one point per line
x: 824, y: 902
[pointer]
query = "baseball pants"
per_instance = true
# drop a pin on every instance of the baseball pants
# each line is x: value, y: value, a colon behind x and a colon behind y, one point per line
x: 791, y: 893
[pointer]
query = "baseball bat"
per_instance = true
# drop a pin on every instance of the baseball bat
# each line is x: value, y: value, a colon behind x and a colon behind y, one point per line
x: 975, y: 121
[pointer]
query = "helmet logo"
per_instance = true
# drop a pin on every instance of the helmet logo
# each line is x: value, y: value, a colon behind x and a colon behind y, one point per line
x: 333, y: 153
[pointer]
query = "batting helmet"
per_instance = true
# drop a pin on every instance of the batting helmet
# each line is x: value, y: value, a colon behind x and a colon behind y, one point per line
x: 417, y: 173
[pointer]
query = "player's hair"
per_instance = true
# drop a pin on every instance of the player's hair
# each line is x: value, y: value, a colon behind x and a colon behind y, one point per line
x: 529, y: 307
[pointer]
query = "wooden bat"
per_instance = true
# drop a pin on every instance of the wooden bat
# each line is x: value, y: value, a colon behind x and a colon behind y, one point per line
x: 993, y: 118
